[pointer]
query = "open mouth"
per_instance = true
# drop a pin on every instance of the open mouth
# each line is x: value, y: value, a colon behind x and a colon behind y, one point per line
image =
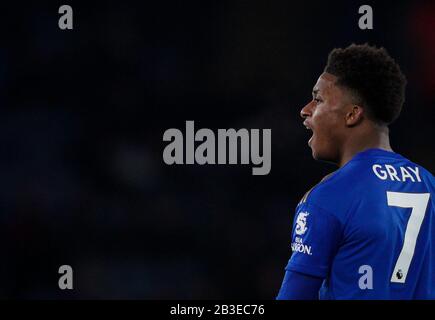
x: 307, y: 126
x: 310, y: 140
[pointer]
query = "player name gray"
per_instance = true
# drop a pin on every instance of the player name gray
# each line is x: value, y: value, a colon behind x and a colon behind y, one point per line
x: 205, y: 152
x: 181, y: 310
x: 402, y: 174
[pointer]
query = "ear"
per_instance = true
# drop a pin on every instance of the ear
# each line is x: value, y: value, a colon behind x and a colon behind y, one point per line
x: 354, y: 115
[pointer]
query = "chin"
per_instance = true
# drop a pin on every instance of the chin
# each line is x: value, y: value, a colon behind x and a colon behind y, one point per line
x: 324, y: 158
x: 321, y: 156
x: 314, y: 151
x: 316, y: 156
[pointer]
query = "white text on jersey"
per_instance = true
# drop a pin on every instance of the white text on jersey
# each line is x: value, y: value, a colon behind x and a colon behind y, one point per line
x: 387, y: 171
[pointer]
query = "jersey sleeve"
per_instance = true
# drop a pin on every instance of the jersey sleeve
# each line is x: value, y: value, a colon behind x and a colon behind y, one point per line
x: 298, y: 286
x: 316, y: 236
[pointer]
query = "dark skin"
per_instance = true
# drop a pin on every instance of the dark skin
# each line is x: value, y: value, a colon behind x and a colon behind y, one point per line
x: 341, y: 127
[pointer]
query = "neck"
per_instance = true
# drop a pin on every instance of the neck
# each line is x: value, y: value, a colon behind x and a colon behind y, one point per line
x: 375, y: 136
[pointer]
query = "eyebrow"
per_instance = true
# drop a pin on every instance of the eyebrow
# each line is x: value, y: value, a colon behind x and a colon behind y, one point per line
x: 315, y: 91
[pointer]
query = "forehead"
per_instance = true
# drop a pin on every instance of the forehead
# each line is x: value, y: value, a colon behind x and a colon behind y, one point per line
x: 325, y: 84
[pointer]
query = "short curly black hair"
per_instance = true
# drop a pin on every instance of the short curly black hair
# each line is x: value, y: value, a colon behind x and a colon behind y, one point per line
x: 373, y: 77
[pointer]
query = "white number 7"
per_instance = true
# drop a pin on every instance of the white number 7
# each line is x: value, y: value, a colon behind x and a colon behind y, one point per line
x: 418, y: 202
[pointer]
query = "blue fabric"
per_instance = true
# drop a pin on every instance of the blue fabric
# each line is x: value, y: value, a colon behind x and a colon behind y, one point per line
x: 297, y: 286
x: 350, y: 229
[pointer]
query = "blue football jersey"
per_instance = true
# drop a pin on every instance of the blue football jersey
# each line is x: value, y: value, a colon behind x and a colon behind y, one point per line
x: 368, y: 229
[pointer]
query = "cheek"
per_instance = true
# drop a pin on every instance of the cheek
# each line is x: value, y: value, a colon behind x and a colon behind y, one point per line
x: 327, y: 128
x: 325, y: 122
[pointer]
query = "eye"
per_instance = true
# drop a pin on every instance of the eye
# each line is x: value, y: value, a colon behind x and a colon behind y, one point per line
x: 317, y: 100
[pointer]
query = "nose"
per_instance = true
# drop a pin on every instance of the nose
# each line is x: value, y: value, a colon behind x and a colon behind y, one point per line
x: 307, y: 110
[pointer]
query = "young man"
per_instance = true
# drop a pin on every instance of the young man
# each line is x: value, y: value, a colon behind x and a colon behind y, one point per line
x: 367, y: 230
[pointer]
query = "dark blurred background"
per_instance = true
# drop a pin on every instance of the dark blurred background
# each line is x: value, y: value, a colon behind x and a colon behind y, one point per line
x: 83, y: 111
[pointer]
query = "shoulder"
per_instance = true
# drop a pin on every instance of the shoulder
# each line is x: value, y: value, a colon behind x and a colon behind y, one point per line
x: 304, y: 198
x: 337, y: 191
x: 334, y: 183
x: 426, y: 174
